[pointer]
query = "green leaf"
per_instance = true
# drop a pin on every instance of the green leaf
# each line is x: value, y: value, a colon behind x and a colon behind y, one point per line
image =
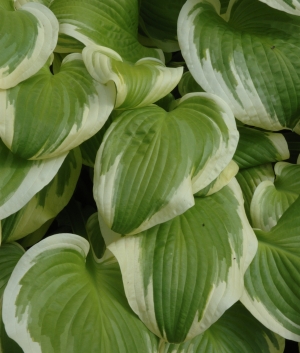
x: 250, y: 178
x: 289, y: 6
x: 59, y: 301
x: 137, y: 85
x: 159, y: 21
x: 102, y: 22
x: 151, y: 162
x: 272, y: 198
x: 95, y: 237
x: 180, y: 276
x: 257, y: 147
x: 272, y: 282
x: 47, y: 203
x: 188, y: 84
x: 236, y: 331
x: 74, y: 107
x: 27, y: 39
x: 248, y: 57
x: 20, y: 179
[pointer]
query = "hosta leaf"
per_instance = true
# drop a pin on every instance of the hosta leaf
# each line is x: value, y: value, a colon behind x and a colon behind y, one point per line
x: 222, y: 180
x: 95, y: 237
x: 108, y: 23
x: 27, y: 38
x: 47, y: 203
x: 248, y: 57
x: 57, y: 301
x: 257, y: 147
x: 180, y: 276
x: 151, y: 162
x: 272, y: 282
x: 236, y: 331
x: 188, y: 84
x: 20, y: 179
x: 250, y: 178
x: 9, y: 256
x: 34, y: 237
x: 159, y: 21
x: 137, y: 85
x: 289, y: 6
x: 74, y: 107
x: 272, y: 199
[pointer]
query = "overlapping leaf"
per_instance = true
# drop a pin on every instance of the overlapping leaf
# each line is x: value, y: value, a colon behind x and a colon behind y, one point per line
x: 257, y: 147
x: 236, y: 331
x: 272, y: 199
x: 248, y: 56
x: 20, y: 179
x: 59, y: 301
x: 289, y: 6
x: 27, y: 39
x: 138, y: 85
x: 47, y: 203
x: 181, y: 276
x: 188, y: 84
x: 272, y: 282
x: 151, y: 162
x: 73, y: 107
x: 108, y: 23
x: 250, y: 178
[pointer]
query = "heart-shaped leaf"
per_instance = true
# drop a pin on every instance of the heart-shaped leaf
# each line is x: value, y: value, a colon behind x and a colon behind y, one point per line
x: 180, y: 276
x: 20, y: 179
x: 248, y: 56
x: 272, y: 282
x: 138, y: 85
x: 152, y: 161
x: 27, y: 39
x: 272, y: 198
x: 74, y: 107
x: 59, y: 301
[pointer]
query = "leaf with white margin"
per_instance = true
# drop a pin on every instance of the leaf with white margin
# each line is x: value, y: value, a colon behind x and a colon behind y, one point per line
x: 181, y: 276
x: 250, y: 178
x: 289, y: 6
x: 10, y: 254
x: 159, y: 22
x: 60, y: 300
x: 74, y: 107
x: 108, y: 23
x: 47, y: 203
x: 248, y: 56
x: 272, y: 198
x: 257, y: 147
x: 151, y: 162
x: 237, y: 331
x: 20, y: 179
x: 222, y: 180
x: 272, y: 282
x: 34, y: 237
x: 27, y: 39
x: 188, y: 84
x: 138, y: 85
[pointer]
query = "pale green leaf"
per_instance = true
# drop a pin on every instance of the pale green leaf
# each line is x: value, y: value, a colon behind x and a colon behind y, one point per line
x: 58, y: 300
x: 74, y: 107
x: 27, y: 39
x: 151, y: 162
x: 188, y: 84
x: 180, y: 276
x: 138, y: 85
x: 272, y: 282
x: 248, y: 56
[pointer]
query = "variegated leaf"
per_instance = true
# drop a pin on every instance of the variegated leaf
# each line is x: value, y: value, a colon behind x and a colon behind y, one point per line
x: 138, y: 85
x: 180, y: 276
x: 249, y: 57
x: 152, y: 162
x: 27, y: 39
x: 74, y: 107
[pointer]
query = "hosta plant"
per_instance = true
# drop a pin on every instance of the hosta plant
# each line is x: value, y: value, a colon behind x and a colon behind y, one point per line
x: 149, y: 176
